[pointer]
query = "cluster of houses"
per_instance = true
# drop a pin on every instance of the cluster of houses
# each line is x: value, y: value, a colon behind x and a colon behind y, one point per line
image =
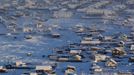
x: 106, y: 49
x: 44, y: 69
x: 93, y: 47
x: 101, y: 52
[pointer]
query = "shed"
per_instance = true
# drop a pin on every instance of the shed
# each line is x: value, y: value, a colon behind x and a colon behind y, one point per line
x: 74, y: 52
x: 78, y: 57
x: 2, y: 69
x: 33, y: 74
x: 93, y: 42
x: 132, y: 48
x: 131, y: 59
x: 111, y: 63
x: 99, y: 57
x: 96, y: 68
x: 118, y: 51
x: 43, y: 68
x: 19, y: 63
x: 88, y: 38
x: 108, y: 38
x: 95, y: 48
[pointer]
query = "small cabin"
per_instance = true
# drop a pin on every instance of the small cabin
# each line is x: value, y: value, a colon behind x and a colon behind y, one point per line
x: 124, y: 73
x: 3, y: 69
x: 33, y: 74
x: 70, y: 70
x: 55, y: 35
x: 131, y: 59
x: 27, y: 29
x: 132, y: 48
x: 52, y: 57
x: 99, y: 57
x: 80, y: 30
x: 95, y: 48
x: 118, y: 51
x: 96, y: 68
x: 93, y: 42
x: 77, y: 58
x: 88, y: 38
x: 63, y: 59
x: 20, y: 63
x: 108, y: 38
x: 111, y: 63
x: 75, y: 52
x: 28, y: 37
x: 47, y: 69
